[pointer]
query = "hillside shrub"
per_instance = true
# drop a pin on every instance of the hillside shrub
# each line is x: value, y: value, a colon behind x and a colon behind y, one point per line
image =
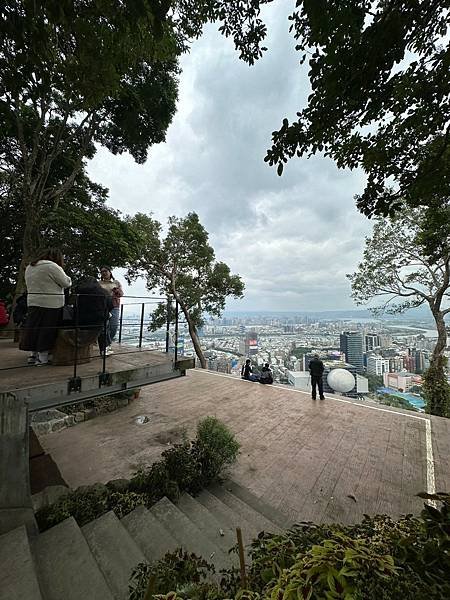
x: 191, y: 465
x: 214, y: 450
x: 377, y: 559
x: 185, y: 574
x: 185, y: 467
x: 436, y: 389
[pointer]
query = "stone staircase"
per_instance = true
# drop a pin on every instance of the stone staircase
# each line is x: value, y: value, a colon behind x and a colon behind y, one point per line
x: 94, y: 562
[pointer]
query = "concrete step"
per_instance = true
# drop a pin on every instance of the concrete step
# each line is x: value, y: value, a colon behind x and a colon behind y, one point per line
x: 272, y: 514
x: 189, y: 536
x: 254, y: 518
x: 216, y: 529
x: 149, y: 534
x: 115, y: 551
x: 224, y: 513
x: 66, y: 568
x: 18, y: 580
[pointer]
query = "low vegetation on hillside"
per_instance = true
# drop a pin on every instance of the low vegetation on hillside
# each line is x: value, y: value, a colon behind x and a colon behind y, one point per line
x: 377, y: 559
x: 186, y: 467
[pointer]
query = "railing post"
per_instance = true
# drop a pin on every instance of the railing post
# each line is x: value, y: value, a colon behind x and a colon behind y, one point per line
x: 142, y: 324
x: 176, y: 330
x: 169, y: 307
x: 105, y: 330
x: 75, y: 361
x: 120, y: 323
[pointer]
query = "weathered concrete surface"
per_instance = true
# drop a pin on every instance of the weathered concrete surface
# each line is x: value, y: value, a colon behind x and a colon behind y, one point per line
x: 66, y: 567
x: 115, y: 552
x: 18, y: 579
x: 330, y: 460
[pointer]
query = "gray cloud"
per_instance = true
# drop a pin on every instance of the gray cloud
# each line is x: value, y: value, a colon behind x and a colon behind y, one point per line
x: 293, y: 238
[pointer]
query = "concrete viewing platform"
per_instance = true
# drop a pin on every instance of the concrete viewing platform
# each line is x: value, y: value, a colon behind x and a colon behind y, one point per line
x: 330, y: 460
x: 50, y: 385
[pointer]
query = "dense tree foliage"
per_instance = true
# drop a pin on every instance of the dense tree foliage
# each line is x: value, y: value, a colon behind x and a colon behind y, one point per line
x: 380, y: 98
x: 77, y: 73
x: 396, y: 271
x: 182, y: 266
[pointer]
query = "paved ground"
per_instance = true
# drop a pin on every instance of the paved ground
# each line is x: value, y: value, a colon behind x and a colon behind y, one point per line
x: 323, y: 461
x: 15, y: 374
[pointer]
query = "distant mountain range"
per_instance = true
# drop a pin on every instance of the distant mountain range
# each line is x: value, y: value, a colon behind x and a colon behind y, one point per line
x: 422, y: 313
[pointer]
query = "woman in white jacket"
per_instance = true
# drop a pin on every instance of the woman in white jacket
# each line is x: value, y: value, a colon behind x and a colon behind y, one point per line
x: 45, y: 280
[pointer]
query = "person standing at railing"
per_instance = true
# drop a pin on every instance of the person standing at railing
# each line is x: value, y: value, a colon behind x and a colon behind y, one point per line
x: 114, y: 289
x: 94, y: 305
x: 316, y: 369
x: 46, y: 281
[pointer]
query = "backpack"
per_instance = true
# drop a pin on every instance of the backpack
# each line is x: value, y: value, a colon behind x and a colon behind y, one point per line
x: 20, y: 310
x: 4, y: 316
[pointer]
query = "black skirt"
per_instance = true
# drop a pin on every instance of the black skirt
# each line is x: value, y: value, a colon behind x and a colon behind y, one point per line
x: 40, y: 329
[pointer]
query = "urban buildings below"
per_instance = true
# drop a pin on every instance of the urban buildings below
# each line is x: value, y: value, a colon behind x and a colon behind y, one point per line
x: 351, y: 344
x: 248, y: 346
x: 403, y: 382
x: 377, y: 365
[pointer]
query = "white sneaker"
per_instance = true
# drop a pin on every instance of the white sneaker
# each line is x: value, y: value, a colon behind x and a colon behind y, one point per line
x: 40, y: 363
x: 109, y: 351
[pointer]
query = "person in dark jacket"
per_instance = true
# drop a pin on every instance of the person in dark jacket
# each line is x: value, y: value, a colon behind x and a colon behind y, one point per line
x: 266, y: 374
x: 246, y: 372
x: 316, y: 369
x: 94, y: 308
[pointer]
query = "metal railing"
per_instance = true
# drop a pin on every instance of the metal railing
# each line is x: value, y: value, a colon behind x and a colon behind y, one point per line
x: 83, y: 322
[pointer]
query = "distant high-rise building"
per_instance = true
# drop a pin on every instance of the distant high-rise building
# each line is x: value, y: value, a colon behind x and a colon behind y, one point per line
x: 421, y: 360
x: 377, y: 365
x: 395, y: 364
x: 372, y: 341
x: 249, y: 345
x: 351, y: 344
x: 409, y: 363
x: 385, y: 340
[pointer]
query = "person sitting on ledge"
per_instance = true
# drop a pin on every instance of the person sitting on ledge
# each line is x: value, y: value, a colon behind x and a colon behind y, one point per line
x: 246, y: 372
x: 266, y: 374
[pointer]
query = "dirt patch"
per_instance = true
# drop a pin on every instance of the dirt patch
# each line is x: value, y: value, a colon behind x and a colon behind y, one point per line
x: 171, y: 436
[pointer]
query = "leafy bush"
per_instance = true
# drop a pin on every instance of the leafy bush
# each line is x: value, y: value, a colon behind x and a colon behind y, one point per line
x: 215, y: 448
x: 84, y: 506
x: 189, y: 466
x: 377, y: 559
x: 407, y: 558
x: 185, y: 574
x: 436, y: 389
x: 124, y: 503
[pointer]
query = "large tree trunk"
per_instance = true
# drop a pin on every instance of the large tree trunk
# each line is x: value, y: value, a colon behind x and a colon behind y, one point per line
x: 436, y: 388
x: 31, y: 242
x: 196, y: 341
x: 441, y: 343
x: 192, y: 328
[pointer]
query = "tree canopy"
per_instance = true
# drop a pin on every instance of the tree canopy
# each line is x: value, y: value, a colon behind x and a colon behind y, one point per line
x: 380, y: 97
x: 396, y: 271
x: 182, y: 266
x: 75, y: 74
x: 89, y: 233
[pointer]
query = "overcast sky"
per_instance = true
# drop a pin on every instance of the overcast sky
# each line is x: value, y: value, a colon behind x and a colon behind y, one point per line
x: 291, y: 238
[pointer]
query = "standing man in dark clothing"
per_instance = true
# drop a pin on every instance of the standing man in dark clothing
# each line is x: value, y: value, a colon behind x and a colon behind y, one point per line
x: 316, y: 369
